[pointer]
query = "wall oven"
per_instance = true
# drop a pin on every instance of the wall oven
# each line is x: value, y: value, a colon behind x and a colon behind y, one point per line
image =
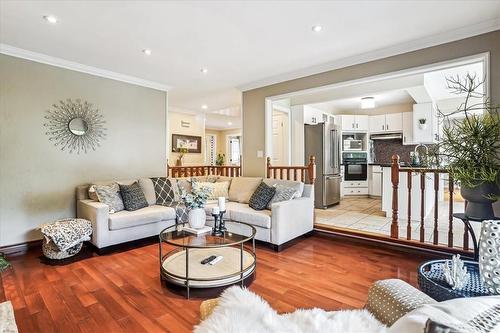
x: 355, y: 166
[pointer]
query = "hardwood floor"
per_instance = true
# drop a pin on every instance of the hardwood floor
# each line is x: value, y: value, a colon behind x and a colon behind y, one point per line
x: 121, y: 292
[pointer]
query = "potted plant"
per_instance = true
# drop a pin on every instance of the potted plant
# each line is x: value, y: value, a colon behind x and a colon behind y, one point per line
x: 470, y: 146
x: 220, y: 159
x: 182, y: 152
x: 195, y: 202
x: 422, y: 123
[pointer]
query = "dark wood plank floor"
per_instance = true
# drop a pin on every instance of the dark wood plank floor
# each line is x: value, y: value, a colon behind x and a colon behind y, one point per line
x: 121, y: 292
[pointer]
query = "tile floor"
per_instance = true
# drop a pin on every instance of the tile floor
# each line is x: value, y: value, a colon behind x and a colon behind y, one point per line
x: 364, y: 214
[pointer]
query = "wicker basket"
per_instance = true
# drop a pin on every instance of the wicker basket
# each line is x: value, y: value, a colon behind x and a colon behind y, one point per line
x: 431, y: 281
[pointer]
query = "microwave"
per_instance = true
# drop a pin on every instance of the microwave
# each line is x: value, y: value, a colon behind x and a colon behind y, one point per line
x: 351, y: 144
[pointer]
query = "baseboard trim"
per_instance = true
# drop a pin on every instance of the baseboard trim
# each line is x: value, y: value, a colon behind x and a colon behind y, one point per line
x: 21, y: 248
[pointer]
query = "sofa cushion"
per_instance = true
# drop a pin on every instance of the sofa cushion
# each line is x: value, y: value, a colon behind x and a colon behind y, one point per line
x: 148, y: 189
x: 298, y: 186
x: 261, y: 197
x: 242, y: 188
x: 150, y: 214
x: 217, y: 190
x: 133, y: 197
x: 282, y: 193
x: 463, y: 314
x: 163, y: 190
x: 110, y: 195
x: 243, y: 213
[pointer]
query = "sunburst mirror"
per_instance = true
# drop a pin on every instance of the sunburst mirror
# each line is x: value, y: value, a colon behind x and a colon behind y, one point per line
x: 75, y: 126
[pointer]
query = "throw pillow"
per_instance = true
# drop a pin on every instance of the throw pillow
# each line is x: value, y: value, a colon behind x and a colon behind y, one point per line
x: 261, y: 197
x: 133, y: 197
x: 164, y: 191
x: 242, y: 188
x: 216, y: 189
x: 283, y: 193
x: 110, y: 195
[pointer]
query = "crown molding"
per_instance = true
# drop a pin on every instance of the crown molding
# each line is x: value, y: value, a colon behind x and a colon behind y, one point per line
x: 75, y: 66
x: 416, y: 44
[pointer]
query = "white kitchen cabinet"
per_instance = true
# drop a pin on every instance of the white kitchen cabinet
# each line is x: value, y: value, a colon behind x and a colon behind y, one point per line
x: 376, y: 183
x: 354, y: 123
x: 377, y: 123
x: 428, y: 132
x: 312, y: 116
x: 408, y: 128
x: 391, y: 122
x: 394, y: 122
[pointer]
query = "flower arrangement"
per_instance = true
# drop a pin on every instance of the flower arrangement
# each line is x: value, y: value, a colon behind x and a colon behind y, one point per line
x: 197, y: 198
x: 220, y: 159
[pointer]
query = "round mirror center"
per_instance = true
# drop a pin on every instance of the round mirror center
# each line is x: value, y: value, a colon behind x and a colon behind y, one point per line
x: 78, y: 126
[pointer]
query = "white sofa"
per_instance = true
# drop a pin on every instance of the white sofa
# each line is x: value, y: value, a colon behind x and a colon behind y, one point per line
x: 285, y: 221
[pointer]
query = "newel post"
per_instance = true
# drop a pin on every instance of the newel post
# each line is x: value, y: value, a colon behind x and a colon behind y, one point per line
x: 311, y: 169
x: 395, y: 183
x: 268, y: 167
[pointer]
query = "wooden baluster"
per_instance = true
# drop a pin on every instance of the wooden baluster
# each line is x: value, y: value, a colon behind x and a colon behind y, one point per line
x: 268, y: 167
x: 295, y: 174
x: 275, y: 173
x: 281, y: 173
x: 408, y: 227
x: 451, y: 189
x: 303, y: 175
x: 395, y: 183
x: 311, y: 169
x: 422, y: 206
x: 436, y: 208
x: 288, y: 174
x: 232, y: 172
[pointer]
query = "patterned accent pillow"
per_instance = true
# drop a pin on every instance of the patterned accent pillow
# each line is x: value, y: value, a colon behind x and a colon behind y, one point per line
x: 164, y: 191
x: 283, y: 193
x: 110, y: 195
x: 216, y: 189
x: 133, y: 197
x: 261, y: 197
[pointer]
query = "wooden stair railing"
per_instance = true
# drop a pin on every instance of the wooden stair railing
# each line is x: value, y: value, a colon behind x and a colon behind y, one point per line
x: 396, y: 169
x: 203, y: 170
x: 305, y: 174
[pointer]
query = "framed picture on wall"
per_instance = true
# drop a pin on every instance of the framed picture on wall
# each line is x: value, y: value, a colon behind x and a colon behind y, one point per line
x: 190, y: 142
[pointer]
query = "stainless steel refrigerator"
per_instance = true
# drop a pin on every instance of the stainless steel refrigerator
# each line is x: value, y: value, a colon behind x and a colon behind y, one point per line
x: 323, y: 141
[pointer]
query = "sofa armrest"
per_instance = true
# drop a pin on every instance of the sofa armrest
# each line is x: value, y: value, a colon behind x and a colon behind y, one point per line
x: 98, y: 214
x: 389, y: 300
x: 291, y: 219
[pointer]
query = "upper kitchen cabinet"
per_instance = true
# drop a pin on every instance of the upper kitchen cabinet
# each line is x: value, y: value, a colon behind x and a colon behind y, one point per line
x: 425, y: 123
x: 354, y: 123
x: 312, y: 116
x: 391, y: 122
x: 408, y: 128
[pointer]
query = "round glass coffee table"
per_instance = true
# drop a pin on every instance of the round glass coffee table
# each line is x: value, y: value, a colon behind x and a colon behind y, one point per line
x: 182, y: 265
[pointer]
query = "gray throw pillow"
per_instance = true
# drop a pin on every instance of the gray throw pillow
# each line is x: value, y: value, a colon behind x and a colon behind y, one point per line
x: 261, y: 197
x: 110, y: 195
x: 133, y: 197
x: 164, y: 191
x: 283, y: 193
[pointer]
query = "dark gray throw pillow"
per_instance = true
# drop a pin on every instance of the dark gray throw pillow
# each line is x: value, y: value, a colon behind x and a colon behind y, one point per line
x: 164, y: 191
x: 261, y: 197
x: 133, y: 197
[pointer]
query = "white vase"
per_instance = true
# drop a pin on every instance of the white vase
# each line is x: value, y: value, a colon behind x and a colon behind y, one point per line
x: 489, y: 255
x: 197, y: 218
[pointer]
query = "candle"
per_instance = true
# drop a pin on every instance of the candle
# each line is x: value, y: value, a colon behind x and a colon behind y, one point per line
x: 215, y: 211
x: 222, y: 204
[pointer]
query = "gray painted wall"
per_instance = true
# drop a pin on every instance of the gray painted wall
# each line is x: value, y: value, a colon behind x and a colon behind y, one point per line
x: 37, y: 179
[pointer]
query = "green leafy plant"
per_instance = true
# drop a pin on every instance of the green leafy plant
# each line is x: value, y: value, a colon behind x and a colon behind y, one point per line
x: 470, y: 145
x: 197, y: 198
x: 220, y: 160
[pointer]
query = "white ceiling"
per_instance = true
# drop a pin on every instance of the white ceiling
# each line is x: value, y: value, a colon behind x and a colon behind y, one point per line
x: 242, y: 43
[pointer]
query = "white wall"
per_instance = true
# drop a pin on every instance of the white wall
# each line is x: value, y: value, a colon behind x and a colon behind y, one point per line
x: 38, y: 180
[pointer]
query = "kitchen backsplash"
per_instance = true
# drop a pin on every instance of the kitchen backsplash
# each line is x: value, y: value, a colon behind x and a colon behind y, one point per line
x: 384, y: 149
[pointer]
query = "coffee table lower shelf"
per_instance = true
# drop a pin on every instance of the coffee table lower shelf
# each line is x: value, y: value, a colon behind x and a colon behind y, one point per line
x: 184, y: 268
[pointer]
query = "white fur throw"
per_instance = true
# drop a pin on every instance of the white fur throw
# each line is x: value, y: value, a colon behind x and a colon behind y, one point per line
x: 240, y: 310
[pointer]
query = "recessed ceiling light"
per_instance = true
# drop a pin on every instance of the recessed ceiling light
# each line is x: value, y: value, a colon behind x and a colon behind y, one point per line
x: 146, y: 51
x: 50, y: 19
x: 229, y: 123
x: 317, y: 28
x: 368, y: 102
x: 204, y: 70
x: 204, y: 107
